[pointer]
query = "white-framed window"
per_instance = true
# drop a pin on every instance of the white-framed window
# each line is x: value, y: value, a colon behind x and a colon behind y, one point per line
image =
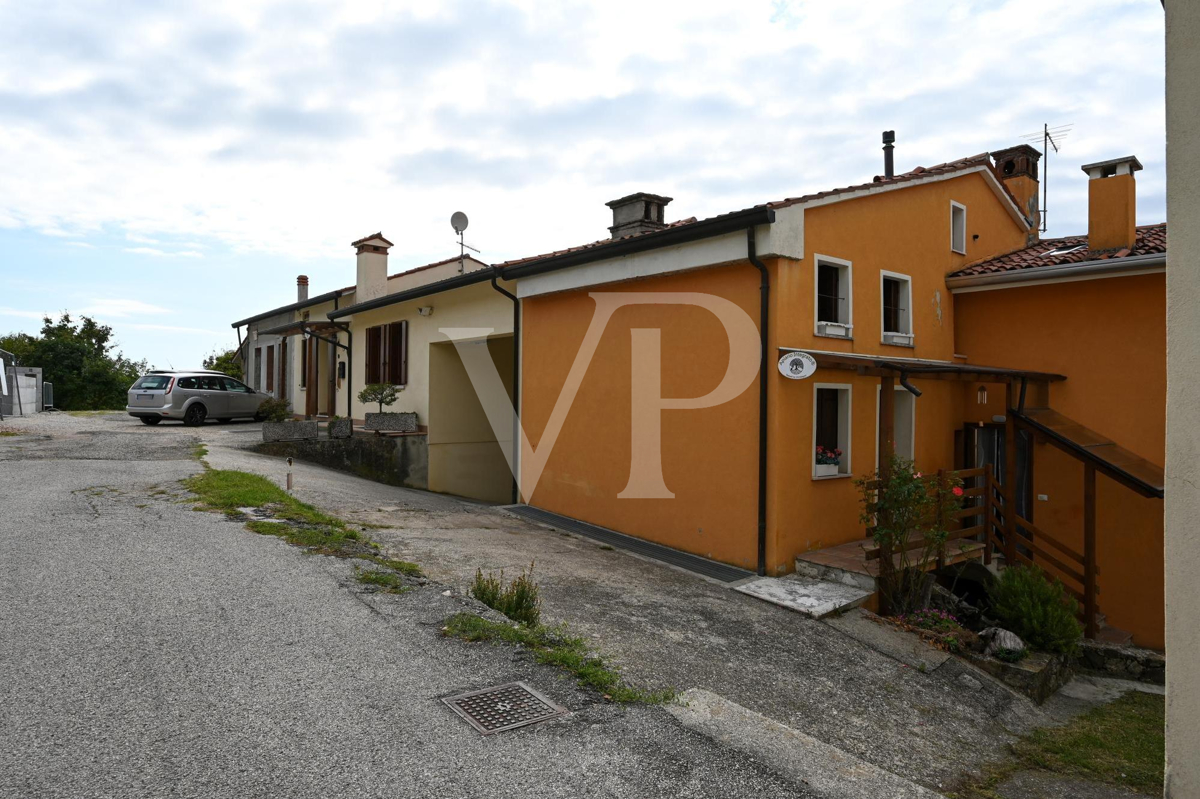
x: 904, y: 423
x: 958, y: 227
x: 834, y: 297
x: 895, y: 305
x: 831, y: 430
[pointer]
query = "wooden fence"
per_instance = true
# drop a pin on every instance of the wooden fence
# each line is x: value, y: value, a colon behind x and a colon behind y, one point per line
x: 984, y: 519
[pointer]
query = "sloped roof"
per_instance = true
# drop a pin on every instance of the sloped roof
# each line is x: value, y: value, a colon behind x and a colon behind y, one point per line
x: 1151, y: 239
x: 920, y: 172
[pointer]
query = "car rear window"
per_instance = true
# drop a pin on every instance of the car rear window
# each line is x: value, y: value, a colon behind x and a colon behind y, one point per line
x: 152, y: 382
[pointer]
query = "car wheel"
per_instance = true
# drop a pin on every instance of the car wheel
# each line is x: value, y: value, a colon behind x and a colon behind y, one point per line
x: 151, y: 420
x: 194, y: 417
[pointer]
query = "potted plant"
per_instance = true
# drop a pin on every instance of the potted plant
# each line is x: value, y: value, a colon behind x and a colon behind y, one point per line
x: 386, y: 394
x: 339, y: 427
x: 828, y: 462
x: 278, y: 424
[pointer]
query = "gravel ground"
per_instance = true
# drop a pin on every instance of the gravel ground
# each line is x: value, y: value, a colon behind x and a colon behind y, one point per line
x: 149, y: 650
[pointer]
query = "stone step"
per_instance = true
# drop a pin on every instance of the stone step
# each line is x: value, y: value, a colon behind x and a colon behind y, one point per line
x: 814, y: 598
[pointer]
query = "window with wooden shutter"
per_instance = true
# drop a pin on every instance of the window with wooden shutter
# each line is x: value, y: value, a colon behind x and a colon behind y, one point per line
x: 270, y: 369
x: 303, y: 363
x: 397, y: 353
x: 375, y: 354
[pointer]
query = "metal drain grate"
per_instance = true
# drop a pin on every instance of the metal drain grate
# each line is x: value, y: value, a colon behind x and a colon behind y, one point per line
x: 503, y: 707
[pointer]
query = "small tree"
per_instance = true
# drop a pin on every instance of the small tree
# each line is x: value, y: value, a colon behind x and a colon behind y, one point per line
x: 910, y: 516
x: 224, y: 361
x: 382, y: 393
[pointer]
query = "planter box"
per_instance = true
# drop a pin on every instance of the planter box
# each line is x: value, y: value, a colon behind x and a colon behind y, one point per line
x: 405, y: 422
x: 340, y: 428
x: 288, y: 431
x: 826, y: 470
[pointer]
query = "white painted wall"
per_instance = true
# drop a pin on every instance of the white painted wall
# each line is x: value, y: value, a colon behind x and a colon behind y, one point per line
x: 1182, y: 505
x: 478, y: 306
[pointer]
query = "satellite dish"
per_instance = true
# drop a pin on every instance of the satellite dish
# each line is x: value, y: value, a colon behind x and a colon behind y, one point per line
x: 458, y: 221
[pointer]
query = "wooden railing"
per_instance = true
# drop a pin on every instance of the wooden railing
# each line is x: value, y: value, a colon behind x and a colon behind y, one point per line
x: 986, y: 520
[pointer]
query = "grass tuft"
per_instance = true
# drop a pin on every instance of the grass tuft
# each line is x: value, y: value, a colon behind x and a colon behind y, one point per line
x: 302, y: 525
x: 519, y: 600
x: 1120, y: 743
x: 553, y: 646
x: 199, y: 451
x: 386, y: 581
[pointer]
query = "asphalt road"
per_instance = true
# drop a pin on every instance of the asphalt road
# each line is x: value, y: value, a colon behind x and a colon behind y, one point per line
x: 150, y: 650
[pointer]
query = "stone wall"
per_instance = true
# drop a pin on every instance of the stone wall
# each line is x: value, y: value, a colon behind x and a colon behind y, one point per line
x: 395, y: 460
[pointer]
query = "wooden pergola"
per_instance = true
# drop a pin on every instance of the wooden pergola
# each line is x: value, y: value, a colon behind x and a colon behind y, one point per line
x: 313, y: 332
x: 1001, y: 520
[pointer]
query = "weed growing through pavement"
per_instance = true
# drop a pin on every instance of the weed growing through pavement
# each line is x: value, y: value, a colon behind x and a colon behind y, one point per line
x: 553, y: 646
x: 386, y: 581
x: 296, y: 522
x: 519, y: 600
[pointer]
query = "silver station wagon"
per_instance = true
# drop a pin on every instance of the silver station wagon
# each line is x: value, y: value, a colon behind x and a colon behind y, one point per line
x: 192, y: 397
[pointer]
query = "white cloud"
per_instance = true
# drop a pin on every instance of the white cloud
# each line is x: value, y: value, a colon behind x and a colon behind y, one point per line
x: 270, y: 128
x: 120, y: 307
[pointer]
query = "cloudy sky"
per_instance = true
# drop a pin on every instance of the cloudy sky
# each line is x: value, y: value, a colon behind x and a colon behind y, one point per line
x: 169, y: 171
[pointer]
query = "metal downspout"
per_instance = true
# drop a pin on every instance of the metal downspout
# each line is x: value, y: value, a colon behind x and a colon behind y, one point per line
x: 764, y: 319
x: 516, y: 382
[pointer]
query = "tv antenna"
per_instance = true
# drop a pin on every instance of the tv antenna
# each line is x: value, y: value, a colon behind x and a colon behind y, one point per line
x: 1051, y: 138
x: 458, y: 221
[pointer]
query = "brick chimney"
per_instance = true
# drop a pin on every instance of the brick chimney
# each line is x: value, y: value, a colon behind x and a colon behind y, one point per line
x: 637, y: 213
x: 301, y: 288
x: 372, y: 267
x: 1112, y: 203
x: 1018, y: 170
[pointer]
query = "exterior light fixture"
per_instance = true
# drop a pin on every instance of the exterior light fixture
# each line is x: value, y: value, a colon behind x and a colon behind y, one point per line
x: 425, y: 310
x: 981, y: 395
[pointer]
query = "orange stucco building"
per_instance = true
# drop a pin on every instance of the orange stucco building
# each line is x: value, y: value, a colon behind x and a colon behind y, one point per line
x: 908, y: 277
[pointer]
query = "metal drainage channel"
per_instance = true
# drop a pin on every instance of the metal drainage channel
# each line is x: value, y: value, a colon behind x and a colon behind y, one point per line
x: 684, y: 560
x: 504, y: 707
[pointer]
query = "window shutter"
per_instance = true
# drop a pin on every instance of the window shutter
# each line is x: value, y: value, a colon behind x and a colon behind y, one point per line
x: 374, y: 354
x: 395, y: 363
x: 404, y: 353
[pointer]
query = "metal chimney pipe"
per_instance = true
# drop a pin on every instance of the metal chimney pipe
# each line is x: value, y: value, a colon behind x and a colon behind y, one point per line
x: 889, y: 137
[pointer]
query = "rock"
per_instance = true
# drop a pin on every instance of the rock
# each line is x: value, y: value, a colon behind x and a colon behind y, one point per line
x: 999, y: 638
x: 967, y: 681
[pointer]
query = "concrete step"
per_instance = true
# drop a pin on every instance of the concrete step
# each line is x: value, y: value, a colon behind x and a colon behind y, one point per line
x: 814, y: 598
x: 830, y: 772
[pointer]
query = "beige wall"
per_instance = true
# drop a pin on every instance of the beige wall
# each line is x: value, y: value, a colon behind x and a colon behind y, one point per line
x: 475, y: 306
x: 465, y: 456
x: 1183, y: 400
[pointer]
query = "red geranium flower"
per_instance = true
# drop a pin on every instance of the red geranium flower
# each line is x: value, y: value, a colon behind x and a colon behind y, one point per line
x: 958, y: 492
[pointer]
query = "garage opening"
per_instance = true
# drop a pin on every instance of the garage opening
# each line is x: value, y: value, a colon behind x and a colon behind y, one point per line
x: 465, y: 456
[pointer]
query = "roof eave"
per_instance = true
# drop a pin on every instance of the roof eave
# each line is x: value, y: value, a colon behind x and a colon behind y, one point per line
x: 429, y: 289
x: 296, y: 306
x: 707, y: 228
x: 1038, y: 274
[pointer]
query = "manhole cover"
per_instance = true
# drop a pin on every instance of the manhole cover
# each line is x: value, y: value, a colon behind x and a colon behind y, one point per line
x: 503, y: 707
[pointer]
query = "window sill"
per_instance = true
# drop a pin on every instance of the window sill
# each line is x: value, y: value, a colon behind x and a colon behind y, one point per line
x: 834, y: 336
x: 818, y: 478
x: 909, y: 346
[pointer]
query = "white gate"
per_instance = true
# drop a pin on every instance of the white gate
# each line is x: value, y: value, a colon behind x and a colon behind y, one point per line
x: 24, y: 395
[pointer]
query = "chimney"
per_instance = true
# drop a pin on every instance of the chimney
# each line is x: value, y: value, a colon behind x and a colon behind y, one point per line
x: 372, y: 267
x: 637, y: 213
x: 301, y: 288
x: 889, y: 139
x: 1017, y: 168
x: 1112, y: 203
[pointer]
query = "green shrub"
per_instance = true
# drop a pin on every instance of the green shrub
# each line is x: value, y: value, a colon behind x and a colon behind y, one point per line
x: 275, y: 410
x: 1039, y: 611
x: 381, y: 393
x: 518, y: 600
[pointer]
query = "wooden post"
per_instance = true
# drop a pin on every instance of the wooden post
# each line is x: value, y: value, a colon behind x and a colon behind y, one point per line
x: 887, y: 423
x: 1089, y: 550
x: 989, y: 503
x: 310, y: 400
x: 938, y: 511
x: 1010, y: 478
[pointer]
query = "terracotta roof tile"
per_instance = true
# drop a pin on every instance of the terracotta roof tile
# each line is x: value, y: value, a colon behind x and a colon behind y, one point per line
x: 970, y: 162
x: 1150, y: 239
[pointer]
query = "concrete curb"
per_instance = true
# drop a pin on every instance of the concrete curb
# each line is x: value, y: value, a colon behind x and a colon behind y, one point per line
x: 829, y: 771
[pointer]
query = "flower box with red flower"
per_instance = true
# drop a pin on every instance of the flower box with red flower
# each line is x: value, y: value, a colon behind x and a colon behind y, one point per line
x: 828, y: 463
